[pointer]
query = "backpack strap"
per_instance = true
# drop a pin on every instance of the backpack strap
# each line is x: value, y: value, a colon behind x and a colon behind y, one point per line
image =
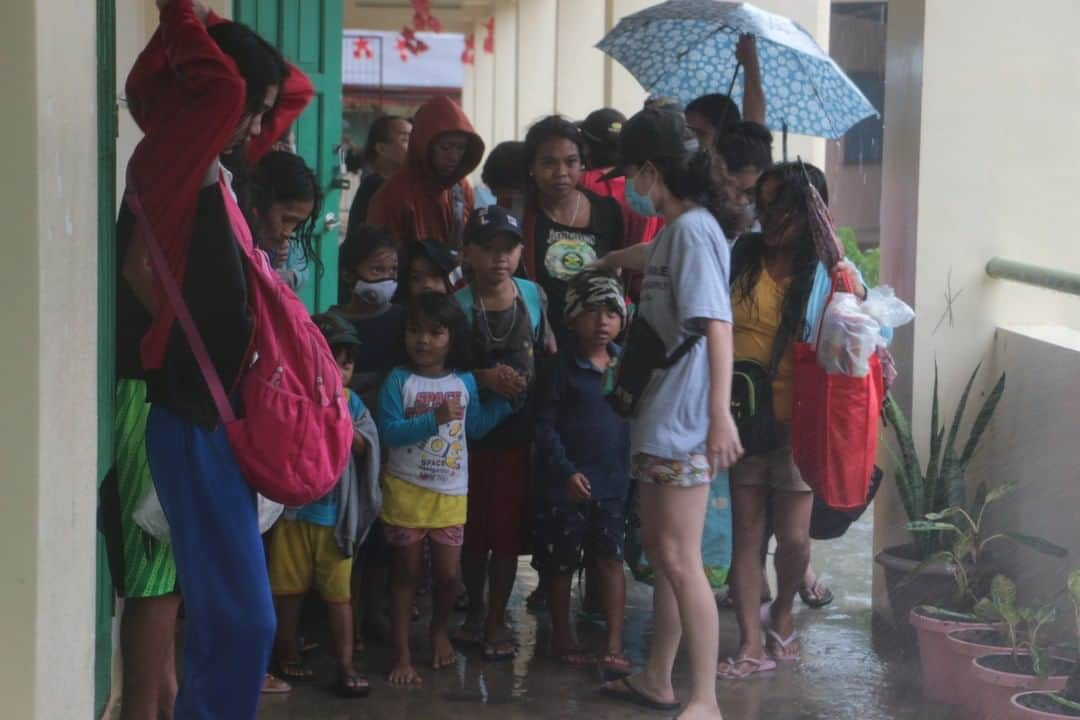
x: 183, y: 315
x: 530, y: 294
x: 465, y: 300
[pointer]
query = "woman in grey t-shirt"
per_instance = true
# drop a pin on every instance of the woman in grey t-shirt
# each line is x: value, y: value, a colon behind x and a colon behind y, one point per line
x: 682, y: 432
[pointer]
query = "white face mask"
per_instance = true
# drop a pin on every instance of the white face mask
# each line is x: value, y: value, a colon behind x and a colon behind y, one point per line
x: 376, y: 293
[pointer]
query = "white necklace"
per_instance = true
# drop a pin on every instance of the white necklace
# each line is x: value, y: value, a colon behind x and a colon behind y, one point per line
x: 573, y: 219
x: 487, y: 324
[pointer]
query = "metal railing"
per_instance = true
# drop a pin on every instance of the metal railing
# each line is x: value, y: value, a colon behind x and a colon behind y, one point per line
x: 1049, y: 278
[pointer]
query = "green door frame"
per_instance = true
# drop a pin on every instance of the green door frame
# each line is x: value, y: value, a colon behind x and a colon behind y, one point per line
x: 106, y: 196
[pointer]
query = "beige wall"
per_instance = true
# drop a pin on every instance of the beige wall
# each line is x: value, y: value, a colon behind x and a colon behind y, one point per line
x: 48, y: 303
x: 976, y: 166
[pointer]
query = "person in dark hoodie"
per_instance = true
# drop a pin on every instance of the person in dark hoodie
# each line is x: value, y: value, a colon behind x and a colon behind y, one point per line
x: 429, y: 197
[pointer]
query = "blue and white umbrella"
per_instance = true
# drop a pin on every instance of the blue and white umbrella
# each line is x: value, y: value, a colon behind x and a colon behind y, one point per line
x: 686, y: 48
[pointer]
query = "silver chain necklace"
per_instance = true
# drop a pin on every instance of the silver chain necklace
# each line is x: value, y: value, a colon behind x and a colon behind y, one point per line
x: 487, y: 324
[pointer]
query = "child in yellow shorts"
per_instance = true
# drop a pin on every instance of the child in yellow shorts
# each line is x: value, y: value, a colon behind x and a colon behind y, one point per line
x: 313, y: 545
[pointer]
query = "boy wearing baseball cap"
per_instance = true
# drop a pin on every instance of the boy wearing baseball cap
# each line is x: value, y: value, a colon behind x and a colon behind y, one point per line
x: 506, y: 317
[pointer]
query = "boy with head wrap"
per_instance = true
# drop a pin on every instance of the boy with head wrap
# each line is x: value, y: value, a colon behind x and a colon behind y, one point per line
x: 583, y: 451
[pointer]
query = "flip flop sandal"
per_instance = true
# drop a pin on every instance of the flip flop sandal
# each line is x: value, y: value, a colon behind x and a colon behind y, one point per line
x: 617, y: 664
x: 294, y: 671
x: 816, y: 597
x: 468, y: 636
x: 625, y: 691
x: 784, y: 645
x: 574, y: 659
x: 499, y: 651
x: 275, y: 685
x: 756, y: 666
x: 352, y: 685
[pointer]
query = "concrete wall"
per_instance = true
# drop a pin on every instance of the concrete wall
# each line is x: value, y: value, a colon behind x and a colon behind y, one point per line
x: 48, y: 302
x: 857, y: 45
x: 976, y: 165
x: 1033, y: 442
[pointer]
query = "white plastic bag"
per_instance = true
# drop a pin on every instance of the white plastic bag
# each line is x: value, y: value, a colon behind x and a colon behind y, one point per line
x: 149, y: 515
x: 848, y: 337
x: 890, y: 311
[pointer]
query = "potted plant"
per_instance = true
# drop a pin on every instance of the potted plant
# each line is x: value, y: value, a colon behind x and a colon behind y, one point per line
x: 1062, y: 705
x: 966, y: 557
x: 963, y: 645
x: 1027, y: 666
x: 929, y: 488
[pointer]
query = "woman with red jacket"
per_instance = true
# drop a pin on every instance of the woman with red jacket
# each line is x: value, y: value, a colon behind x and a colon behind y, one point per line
x: 203, y: 88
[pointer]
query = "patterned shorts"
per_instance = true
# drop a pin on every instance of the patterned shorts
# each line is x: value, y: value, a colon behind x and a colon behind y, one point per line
x: 397, y: 536
x: 692, y: 472
x: 564, y: 531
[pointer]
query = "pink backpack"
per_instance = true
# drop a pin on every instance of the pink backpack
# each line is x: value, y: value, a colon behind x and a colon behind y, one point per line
x: 295, y: 436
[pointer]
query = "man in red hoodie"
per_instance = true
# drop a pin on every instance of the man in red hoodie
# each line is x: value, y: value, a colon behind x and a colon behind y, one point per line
x: 429, y: 198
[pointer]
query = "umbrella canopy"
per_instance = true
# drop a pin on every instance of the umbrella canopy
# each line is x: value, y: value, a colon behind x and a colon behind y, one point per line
x: 686, y: 49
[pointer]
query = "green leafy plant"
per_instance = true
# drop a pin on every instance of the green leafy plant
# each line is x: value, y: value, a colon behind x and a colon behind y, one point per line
x: 966, y: 531
x: 1070, y: 696
x: 940, y: 483
x: 1023, y: 624
x: 868, y: 262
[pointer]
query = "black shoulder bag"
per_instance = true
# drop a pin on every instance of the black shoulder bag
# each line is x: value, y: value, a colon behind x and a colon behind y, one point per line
x: 643, y: 354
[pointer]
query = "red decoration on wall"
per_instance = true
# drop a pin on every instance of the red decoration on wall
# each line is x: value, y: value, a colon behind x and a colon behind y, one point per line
x: 468, y: 55
x: 408, y: 44
x: 362, y: 49
x: 423, y: 20
x: 489, y: 39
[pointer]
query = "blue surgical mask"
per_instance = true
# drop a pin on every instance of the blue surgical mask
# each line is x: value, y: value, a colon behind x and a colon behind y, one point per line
x: 641, y: 204
x: 376, y: 293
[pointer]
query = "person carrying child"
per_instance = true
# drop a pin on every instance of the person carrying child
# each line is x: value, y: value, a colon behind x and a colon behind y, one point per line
x: 506, y: 314
x: 426, y: 411
x: 315, y: 544
x: 583, y: 455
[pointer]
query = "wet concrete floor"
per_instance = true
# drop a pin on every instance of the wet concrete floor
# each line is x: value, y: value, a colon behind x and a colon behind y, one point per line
x: 847, y: 672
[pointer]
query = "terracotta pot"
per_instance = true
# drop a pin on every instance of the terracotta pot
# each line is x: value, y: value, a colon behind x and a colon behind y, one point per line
x: 960, y: 648
x: 1018, y: 712
x: 997, y: 687
x: 931, y: 586
x: 937, y: 669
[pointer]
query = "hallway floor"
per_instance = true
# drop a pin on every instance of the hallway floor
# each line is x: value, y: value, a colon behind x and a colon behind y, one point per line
x: 848, y: 670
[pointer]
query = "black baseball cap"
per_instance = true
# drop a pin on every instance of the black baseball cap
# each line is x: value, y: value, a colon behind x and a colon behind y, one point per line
x: 485, y: 223
x: 652, y: 134
x: 336, y: 330
x: 603, y: 127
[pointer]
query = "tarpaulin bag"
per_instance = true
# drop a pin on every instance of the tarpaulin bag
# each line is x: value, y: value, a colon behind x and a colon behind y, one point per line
x: 834, y: 423
x: 644, y: 354
x: 293, y: 434
x: 828, y: 523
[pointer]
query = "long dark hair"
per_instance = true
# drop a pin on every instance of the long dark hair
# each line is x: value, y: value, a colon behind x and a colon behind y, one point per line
x: 380, y: 132
x: 701, y: 178
x: 260, y: 63
x: 444, y: 311
x: 282, y: 177
x: 793, y: 189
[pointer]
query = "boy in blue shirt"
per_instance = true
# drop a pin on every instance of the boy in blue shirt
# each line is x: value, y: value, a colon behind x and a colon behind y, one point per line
x: 315, y: 544
x: 584, y: 451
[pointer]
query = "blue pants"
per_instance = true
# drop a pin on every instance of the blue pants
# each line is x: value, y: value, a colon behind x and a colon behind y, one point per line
x: 220, y: 567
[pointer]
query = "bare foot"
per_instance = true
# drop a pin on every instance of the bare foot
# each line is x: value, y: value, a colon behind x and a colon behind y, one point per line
x: 643, y: 687
x: 404, y: 675
x: 442, y: 651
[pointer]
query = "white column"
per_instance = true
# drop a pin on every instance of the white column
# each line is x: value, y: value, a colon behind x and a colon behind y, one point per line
x: 483, y: 118
x: 623, y: 92
x: 536, y: 61
x: 505, y: 80
x: 48, y: 310
x: 579, y: 76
